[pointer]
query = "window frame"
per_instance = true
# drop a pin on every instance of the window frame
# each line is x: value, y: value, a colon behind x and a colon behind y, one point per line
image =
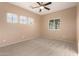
x: 10, y: 19
x: 31, y: 20
x: 54, y: 21
x: 26, y: 19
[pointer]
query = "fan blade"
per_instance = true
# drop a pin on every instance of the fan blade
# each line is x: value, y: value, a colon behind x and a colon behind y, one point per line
x: 34, y: 7
x: 39, y: 3
x: 47, y: 3
x: 40, y: 10
x: 46, y: 8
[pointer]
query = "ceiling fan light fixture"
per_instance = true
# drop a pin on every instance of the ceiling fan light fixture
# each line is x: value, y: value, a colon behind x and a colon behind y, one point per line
x: 41, y: 7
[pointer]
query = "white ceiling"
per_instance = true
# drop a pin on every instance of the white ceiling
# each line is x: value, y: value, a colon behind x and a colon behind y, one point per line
x: 55, y: 6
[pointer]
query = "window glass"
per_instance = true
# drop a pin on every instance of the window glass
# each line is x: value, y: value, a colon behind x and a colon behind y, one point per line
x: 54, y: 24
x: 23, y: 20
x: 12, y: 18
x: 30, y: 20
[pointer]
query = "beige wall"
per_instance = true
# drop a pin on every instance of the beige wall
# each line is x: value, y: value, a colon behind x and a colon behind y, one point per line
x: 12, y: 33
x: 67, y: 31
x: 78, y: 27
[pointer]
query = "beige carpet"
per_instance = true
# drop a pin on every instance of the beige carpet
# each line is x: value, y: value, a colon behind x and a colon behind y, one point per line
x: 39, y: 47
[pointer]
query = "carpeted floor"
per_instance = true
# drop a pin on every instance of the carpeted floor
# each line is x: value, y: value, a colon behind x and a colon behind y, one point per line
x: 40, y: 47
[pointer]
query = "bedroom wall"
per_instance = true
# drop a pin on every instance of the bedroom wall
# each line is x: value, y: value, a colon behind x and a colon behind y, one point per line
x: 78, y: 27
x: 13, y: 33
x: 67, y: 31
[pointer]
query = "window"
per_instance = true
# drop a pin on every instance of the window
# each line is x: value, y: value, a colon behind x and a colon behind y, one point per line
x: 23, y: 20
x: 12, y: 18
x: 30, y: 20
x: 54, y: 24
x: 26, y: 20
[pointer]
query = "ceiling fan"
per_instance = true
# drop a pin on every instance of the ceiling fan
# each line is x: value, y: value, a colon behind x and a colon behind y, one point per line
x: 42, y: 6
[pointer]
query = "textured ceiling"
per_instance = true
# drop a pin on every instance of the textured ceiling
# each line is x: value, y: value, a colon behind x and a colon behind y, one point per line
x: 55, y: 6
